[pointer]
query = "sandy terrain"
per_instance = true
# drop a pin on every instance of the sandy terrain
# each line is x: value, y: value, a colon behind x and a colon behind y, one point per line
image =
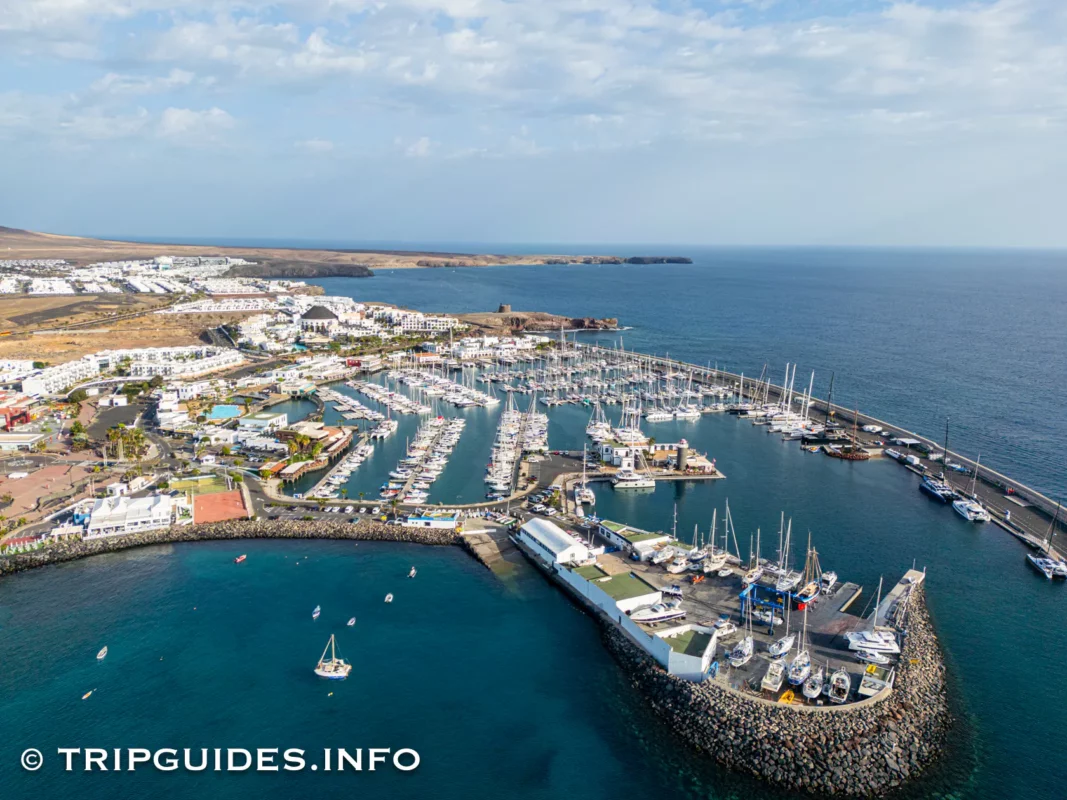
x: 27, y: 244
x: 29, y: 319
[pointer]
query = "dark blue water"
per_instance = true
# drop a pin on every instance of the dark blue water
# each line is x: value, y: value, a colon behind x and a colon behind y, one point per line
x: 913, y: 337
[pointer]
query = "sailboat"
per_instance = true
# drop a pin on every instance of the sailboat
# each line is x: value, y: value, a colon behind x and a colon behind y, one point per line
x: 332, y: 668
x: 969, y: 507
x: 583, y: 494
x: 742, y: 652
x: 788, y: 579
x: 840, y: 686
x: 102, y: 654
x: 800, y: 667
x: 874, y: 640
x: 785, y: 644
x: 812, y: 583
x: 756, y: 571
x: 813, y: 685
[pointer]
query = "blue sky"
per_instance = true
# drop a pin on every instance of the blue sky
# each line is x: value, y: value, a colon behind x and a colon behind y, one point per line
x: 685, y: 121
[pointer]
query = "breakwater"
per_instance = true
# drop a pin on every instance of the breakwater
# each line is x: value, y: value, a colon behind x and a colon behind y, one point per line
x: 857, y: 750
x: 366, y: 530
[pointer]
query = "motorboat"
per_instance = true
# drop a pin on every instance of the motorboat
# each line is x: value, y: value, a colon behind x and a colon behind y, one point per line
x: 315, y: 614
x: 813, y: 685
x: 767, y: 617
x: 827, y: 581
x: 240, y: 559
x: 678, y: 566
x: 660, y: 612
x: 389, y: 597
x: 332, y: 668
x: 412, y: 572
x: 971, y: 510
x: 871, y: 657
x: 351, y: 622
x: 102, y: 654
x: 663, y: 555
x: 840, y: 686
x: 774, y: 678
x: 674, y: 590
x: 632, y: 481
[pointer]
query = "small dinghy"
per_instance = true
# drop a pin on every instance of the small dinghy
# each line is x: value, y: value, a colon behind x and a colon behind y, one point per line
x: 351, y: 622
x: 389, y: 597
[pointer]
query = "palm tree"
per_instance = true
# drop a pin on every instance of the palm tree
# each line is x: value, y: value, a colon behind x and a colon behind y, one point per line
x: 344, y: 492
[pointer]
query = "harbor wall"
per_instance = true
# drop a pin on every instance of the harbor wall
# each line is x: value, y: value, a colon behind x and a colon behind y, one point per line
x: 366, y: 530
x: 854, y: 750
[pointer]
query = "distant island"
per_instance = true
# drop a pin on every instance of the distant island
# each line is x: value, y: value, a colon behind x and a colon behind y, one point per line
x: 282, y: 262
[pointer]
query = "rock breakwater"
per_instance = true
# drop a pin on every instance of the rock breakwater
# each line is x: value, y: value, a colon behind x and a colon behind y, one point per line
x: 366, y: 530
x: 858, y: 750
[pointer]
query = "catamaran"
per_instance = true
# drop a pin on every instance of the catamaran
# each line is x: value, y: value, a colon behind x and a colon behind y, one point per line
x: 969, y: 507
x: 332, y: 668
x: 874, y: 640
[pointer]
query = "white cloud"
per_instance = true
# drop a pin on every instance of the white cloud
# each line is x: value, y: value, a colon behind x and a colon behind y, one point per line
x: 316, y: 146
x: 184, y: 125
x: 113, y: 83
x: 420, y: 148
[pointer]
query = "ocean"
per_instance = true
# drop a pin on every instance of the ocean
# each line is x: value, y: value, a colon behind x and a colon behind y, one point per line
x: 501, y: 684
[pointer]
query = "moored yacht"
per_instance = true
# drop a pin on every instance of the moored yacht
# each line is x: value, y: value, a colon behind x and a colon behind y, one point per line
x: 971, y: 510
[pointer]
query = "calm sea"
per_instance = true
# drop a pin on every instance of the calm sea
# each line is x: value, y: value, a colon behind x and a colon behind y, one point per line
x: 501, y: 685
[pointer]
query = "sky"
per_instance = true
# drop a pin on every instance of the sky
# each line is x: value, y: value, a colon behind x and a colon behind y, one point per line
x: 761, y: 122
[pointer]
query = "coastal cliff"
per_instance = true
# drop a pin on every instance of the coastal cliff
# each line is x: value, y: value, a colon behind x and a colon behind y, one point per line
x: 558, y: 260
x: 298, y: 270
x: 859, y: 750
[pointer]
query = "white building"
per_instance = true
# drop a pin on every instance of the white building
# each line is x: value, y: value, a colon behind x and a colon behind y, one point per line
x: 114, y: 516
x: 551, y: 543
x: 54, y: 380
x: 264, y: 421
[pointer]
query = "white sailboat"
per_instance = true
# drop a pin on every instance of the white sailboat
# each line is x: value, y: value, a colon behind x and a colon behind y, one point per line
x: 332, y: 668
x: 813, y: 685
x: 583, y: 494
x: 800, y: 667
x: 785, y: 644
x: 742, y: 652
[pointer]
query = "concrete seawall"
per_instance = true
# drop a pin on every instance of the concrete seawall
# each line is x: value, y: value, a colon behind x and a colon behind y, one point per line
x: 367, y: 530
x: 856, y: 750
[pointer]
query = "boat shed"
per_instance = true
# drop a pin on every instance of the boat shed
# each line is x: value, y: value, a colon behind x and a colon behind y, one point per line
x: 551, y: 543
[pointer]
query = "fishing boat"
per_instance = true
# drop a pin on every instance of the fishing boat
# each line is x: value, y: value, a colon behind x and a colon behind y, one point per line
x: 332, y: 668
x: 774, y: 678
x: 389, y: 597
x: 316, y: 612
x: 813, y: 685
x: 412, y: 572
x: 871, y: 657
x: 351, y: 622
x: 102, y: 654
x: 239, y: 559
x: 840, y: 686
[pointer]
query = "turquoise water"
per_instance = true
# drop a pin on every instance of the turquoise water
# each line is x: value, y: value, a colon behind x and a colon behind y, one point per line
x: 504, y: 688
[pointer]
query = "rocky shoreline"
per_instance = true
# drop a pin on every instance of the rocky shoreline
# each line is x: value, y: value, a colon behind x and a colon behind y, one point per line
x: 367, y: 530
x: 859, y: 750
